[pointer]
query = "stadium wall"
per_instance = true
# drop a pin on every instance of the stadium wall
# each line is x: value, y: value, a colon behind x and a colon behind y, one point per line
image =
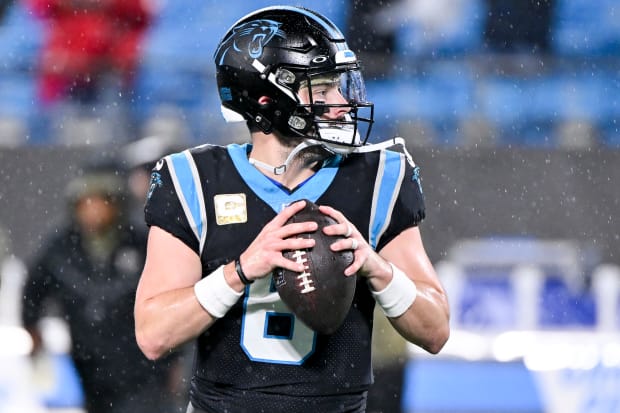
x: 470, y: 193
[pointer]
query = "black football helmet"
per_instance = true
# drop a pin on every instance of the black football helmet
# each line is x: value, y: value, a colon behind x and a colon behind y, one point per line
x: 271, y: 53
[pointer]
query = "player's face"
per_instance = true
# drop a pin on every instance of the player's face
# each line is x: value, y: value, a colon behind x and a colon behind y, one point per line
x: 95, y: 213
x: 326, y: 90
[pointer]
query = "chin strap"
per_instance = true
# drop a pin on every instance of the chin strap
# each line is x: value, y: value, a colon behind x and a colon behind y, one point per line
x: 397, y: 140
x: 335, y: 149
x: 279, y: 170
x: 381, y: 145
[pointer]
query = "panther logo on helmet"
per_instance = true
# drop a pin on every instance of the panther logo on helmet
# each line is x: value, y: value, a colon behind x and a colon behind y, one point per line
x: 252, y: 37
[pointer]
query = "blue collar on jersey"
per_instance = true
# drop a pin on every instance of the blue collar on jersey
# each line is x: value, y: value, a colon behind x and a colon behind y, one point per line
x: 272, y: 194
x: 287, y: 190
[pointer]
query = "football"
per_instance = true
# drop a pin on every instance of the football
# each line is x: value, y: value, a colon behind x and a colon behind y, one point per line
x: 321, y: 295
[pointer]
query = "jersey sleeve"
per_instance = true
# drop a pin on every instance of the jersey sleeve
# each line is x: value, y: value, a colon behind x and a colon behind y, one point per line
x: 409, y: 209
x: 163, y: 208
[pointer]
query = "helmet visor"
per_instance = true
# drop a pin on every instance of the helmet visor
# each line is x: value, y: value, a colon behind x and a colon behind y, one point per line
x: 336, y: 100
x: 333, y: 88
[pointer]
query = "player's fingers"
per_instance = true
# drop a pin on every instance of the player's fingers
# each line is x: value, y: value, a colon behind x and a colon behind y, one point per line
x: 288, y: 212
x: 279, y: 221
x: 273, y: 245
x: 334, y: 213
x: 351, y: 243
x: 264, y: 256
x: 349, y: 230
x: 282, y: 262
x: 344, y: 227
x: 360, y: 255
x: 294, y: 243
x: 353, y: 268
x: 296, y: 228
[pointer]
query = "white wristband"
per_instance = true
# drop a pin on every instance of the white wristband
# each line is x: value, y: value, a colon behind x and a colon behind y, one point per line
x: 399, y: 294
x: 215, y: 295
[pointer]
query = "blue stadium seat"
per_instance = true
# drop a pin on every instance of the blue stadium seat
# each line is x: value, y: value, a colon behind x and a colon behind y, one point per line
x: 192, y: 93
x: 459, y: 35
x: 19, y: 103
x: 17, y: 95
x: 439, y: 96
x: 335, y: 10
x: 588, y: 96
x: 20, y: 39
x: 585, y: 27
x: 187, y: 34
x: 610, y: 133
x: 526, y: 110
x: 592, y: 96
x: 184, y: 34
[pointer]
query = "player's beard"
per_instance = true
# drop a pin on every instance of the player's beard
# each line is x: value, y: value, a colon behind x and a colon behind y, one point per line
x: 313, y: 155
x: 309, y: 156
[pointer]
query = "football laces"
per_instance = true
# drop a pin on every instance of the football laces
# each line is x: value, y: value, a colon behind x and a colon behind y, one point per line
x: 306, y: 283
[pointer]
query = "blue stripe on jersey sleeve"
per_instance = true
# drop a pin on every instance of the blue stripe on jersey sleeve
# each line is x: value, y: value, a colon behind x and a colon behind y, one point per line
x: 386, y: 189
x: 187, y: 185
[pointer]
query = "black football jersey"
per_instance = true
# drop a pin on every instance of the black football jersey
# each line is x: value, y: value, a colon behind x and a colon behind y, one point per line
x: 216, y: 202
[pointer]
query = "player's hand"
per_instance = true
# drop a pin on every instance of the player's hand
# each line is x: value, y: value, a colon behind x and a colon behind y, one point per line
x: 367, y: 261
x: 264, y: 254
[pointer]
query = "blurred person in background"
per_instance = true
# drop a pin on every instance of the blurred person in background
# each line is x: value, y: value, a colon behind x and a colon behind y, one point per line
x: 87, y: 274
x: 90, y: 54
x: 139, y: 158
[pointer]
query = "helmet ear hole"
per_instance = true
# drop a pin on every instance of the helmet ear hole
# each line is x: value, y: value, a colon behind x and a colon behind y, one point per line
x: 264, y: 101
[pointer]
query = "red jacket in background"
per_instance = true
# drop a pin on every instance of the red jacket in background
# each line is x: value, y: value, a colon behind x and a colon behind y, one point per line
x: 86, y: 39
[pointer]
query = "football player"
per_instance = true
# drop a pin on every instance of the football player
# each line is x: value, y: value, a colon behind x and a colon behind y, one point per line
x: 217, y: 217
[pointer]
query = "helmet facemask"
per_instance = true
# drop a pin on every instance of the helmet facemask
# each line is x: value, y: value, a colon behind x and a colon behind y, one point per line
x: 331, y: 108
